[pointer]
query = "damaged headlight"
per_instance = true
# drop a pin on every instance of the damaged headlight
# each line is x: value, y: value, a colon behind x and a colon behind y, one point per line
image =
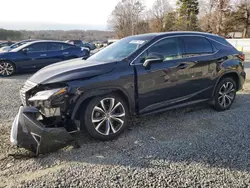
x: 49, y: 97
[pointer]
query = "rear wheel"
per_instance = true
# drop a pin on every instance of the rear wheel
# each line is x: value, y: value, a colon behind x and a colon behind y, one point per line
x: 225, y: 94
x: 105, y: 117
x: 6, y: 68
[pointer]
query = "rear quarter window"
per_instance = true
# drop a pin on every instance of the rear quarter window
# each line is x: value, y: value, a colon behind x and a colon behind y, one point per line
x: 67, y: 46
x: 221, y: 43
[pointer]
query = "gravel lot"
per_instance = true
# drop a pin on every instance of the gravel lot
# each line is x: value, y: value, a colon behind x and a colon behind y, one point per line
x: 189, y: 147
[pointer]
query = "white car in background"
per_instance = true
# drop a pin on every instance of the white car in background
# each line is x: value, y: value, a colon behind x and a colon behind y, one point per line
x: 13, y: 46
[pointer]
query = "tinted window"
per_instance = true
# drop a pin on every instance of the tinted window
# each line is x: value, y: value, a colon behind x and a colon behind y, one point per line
x: 223, y: 41
x: 77, y: 42
x: 197, y: 46
x: 38, y: 47
x: 55, y: 46
x: 169, y: 48
x: 66, y: 46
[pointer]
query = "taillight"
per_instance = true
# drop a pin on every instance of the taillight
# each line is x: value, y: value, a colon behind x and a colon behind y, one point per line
x: 242, y: 57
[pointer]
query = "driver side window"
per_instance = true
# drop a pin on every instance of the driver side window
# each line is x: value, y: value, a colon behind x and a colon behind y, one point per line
x: 38, y: 47
x: 169, y: 48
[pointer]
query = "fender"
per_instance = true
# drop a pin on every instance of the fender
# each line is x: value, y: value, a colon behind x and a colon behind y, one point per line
x: 5, y: 59
x: 101, y: 91
x: 224, y: 75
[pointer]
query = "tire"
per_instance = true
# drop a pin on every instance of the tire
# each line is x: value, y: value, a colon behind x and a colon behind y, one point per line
x: 225, y: 94
x: 7, y: 68
x: 101, y: 121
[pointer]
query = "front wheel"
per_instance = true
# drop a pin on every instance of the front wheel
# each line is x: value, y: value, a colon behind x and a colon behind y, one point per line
x: 6, y: 68
x: 225, y: 94
x: 106, y: 117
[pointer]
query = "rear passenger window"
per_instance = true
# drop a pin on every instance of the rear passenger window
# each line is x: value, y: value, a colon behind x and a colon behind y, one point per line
x: 195, y: 46
x: 169, y: 48
x: 55, y: 46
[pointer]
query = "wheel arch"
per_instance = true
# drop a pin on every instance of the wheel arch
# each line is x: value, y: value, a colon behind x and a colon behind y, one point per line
x: 84, y: 99
x: 1, y: 60
x: 7, y: 60
x: 232, y: 74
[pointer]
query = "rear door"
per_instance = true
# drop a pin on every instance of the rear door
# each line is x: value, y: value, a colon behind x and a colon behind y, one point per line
x: 55, y: 52
x: 61, y: 51
x: 71, y: 51
x: 200, y: 54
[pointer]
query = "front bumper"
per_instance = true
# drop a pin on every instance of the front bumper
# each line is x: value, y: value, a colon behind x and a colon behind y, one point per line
x: 29, y: 133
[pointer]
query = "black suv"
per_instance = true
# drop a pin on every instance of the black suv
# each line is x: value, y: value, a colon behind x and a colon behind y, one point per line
x: 137, y: 75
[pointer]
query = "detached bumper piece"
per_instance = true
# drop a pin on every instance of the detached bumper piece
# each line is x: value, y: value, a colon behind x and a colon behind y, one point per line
x: 27, y: 132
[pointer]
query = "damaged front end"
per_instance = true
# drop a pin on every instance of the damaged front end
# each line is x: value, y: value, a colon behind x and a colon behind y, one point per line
x: 40, y: 126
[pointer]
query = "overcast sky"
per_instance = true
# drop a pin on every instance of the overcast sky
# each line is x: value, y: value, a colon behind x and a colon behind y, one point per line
x: 57, y: 14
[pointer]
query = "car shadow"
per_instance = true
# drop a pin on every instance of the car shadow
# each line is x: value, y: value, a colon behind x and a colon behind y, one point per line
x: 196, y: 134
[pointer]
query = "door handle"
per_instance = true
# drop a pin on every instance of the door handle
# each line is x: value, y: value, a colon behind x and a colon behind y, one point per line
x: 65, y: 53
x: 182, y: 66
x: 43, y: 55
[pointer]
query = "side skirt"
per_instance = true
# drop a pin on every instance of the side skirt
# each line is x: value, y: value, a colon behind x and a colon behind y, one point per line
x: 176, y: 106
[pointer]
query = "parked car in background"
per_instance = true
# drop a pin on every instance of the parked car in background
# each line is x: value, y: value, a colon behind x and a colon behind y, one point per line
x: 3, y: 44
x: 15, y: 45
x: 103, y: 47
x: 35, y: 55
x: 111, y: 41
x: 89, y: 45
x: 101, y: 44
x: 137, y: 75
x: 82, y: 44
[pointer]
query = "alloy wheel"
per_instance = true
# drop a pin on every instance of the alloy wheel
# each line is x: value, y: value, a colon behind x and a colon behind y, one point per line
x: 108, y: 116
x: 226, y: 94
x: 6, y: 69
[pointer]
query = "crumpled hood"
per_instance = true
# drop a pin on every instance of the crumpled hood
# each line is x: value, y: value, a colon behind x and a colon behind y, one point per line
x: 70, y: 70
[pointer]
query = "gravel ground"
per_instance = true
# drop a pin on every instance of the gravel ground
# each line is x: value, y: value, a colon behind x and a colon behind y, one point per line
x: 189, y: 147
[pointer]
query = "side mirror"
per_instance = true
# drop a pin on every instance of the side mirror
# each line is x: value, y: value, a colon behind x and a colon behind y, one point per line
x: 153, y: 58
x: 25, y: 50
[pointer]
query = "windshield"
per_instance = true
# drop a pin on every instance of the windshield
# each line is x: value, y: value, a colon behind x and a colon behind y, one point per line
x: 16, y: 49
x: 118, y: 50
x: 17, y: 45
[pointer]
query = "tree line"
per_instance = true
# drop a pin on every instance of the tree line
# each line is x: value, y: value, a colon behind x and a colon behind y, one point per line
x: 10, y: 35
x: 89, y: 35
x: 220, y: 17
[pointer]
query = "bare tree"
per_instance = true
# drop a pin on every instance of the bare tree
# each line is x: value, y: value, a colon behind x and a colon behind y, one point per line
x: 222, y: 8
x: 242, y: 15
x: 206, y: 14
x: 215, y: 17
x: 125, y: 17
x: 159, y: 11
